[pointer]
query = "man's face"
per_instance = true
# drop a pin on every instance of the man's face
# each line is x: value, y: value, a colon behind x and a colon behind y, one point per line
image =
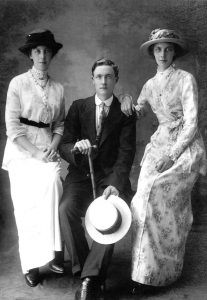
x: 104, y: 81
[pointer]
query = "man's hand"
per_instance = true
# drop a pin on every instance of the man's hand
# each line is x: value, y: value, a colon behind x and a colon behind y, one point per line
x: 84, y: 146
x: 164, y: 164
x: 110, y: 190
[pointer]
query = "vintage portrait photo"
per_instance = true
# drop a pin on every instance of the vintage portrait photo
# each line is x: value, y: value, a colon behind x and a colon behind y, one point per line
x: 103, y: 129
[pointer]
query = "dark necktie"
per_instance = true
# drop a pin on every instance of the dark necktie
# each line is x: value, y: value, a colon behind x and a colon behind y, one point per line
x: 102, y: 117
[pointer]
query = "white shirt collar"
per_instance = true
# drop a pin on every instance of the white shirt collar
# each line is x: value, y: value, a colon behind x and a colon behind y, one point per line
x: 107, y: 101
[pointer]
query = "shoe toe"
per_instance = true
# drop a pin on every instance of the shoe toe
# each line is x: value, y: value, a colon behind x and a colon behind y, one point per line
x: 56, y: 268
x: 90, y: 289
x: 32, y: 280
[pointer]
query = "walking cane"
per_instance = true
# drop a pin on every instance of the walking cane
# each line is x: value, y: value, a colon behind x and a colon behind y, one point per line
x: 90, y: 162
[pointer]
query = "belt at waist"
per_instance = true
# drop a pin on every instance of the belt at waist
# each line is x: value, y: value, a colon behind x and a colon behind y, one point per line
x: 33, y: 123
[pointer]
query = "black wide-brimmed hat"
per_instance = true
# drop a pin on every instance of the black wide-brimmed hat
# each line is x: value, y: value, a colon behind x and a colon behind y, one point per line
x: 40, y: 38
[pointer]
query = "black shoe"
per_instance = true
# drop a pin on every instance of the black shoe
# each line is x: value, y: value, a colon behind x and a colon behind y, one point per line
x: 90, y: 289
x: 56, y: 267
x: 77, y: 274
x: 32, y: 277
x: 141, y: 289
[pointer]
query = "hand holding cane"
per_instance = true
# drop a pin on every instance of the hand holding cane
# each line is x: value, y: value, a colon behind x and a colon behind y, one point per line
x: 76, y: 150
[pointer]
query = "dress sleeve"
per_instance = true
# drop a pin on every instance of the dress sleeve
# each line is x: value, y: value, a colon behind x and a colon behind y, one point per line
x: 143, y: 98
x: 14, y: 128
x: 58, y: 124
x: 189, y: 99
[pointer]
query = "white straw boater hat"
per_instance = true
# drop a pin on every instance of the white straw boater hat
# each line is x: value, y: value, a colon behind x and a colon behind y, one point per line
x: 107, y: 221
x: 165, y: 36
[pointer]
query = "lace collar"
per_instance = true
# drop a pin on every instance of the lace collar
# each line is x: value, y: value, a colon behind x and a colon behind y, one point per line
x: 40, y: 75
x: 166, y: 72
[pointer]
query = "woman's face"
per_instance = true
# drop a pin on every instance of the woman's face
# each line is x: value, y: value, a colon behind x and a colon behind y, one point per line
x: 41, y: 56
x: 164, y: 54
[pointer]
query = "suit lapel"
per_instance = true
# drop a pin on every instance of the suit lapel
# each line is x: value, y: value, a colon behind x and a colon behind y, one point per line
x: 112, y: 118
x: 90, y: 118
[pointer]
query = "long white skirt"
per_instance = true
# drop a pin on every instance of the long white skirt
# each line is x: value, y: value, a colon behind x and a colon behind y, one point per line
x: 36, y: 189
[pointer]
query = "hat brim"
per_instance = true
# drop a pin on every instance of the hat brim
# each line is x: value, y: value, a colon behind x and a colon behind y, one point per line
x: 183, y: 46
x: 25, y: 49
x: 114, y: 237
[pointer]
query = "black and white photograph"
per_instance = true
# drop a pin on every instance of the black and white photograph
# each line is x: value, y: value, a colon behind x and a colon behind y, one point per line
x: 103, y: 139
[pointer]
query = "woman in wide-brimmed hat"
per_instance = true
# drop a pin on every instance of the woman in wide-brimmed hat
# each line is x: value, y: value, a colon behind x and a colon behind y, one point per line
x: 172, y: 161
x: 35, y: 114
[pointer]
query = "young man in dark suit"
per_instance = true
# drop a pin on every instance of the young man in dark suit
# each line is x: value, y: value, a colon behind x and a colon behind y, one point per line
x: 96, y: 120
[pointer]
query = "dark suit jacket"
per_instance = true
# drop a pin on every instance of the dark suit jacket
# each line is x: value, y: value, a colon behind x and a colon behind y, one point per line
x: 113, y: 160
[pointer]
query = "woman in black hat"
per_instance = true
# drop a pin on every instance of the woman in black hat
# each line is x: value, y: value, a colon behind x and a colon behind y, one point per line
x: 35, y: 114
x: 172, y: 161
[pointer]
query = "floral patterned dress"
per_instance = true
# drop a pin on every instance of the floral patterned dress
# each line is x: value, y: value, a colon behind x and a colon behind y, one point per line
x: 36, y: 186
x: 161, y: 207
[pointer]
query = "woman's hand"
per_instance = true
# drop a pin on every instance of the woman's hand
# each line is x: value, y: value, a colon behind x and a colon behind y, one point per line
x: 164, y: 164
x: 139, y: 112
x: 46, y: 155
x: 52, y: 154
x: 51, y: 150
x: 127, y: 106
x: 40, y: 155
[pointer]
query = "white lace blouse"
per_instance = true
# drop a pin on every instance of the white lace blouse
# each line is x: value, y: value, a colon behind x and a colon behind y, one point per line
x: 25, y: 99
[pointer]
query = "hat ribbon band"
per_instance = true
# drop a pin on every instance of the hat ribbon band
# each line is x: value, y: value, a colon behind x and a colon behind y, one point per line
x: 114, y: 227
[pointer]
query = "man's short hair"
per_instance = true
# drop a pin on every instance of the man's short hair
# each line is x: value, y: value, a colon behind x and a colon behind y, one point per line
x: 106, y: 62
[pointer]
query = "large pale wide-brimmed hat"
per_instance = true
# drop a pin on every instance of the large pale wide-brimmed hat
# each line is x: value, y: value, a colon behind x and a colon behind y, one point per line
x: 40, y: 37
x: 107, y: 221
x: 165, y: 36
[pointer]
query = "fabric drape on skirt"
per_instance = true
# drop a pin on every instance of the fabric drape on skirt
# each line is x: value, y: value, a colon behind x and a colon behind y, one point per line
x: 162, y: 218
x: 36, y: 188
